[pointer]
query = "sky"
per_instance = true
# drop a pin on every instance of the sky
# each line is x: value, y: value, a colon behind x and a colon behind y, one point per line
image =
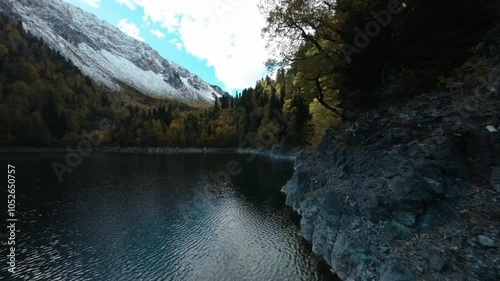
x: 218, y: 40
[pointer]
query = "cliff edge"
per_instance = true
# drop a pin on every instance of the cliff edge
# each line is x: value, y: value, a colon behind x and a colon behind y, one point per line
x: 410, y: 190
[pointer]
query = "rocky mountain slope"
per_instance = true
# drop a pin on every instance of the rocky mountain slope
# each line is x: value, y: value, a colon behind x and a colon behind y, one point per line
x: 106, y: 54
x: 411, y: 189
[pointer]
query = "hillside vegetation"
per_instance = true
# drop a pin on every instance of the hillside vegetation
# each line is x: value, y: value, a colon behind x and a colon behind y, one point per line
x: 45, y: 100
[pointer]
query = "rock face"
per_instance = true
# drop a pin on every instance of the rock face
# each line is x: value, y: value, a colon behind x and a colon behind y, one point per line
x: 414, y: 193
x: 106, y: 54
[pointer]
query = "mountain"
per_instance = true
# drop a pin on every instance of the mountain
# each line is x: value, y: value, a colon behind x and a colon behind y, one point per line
x: 106, y: 54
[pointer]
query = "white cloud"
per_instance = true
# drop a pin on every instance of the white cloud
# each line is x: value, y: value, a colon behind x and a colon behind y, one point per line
x: 157, y: 33
x: 176, y: 42
x: 225, y: 33
x: 130, y: 29
x: 93, y: 3
x: 128, y: 3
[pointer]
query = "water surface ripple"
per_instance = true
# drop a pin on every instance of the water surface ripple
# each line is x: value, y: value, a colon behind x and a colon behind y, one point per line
x: 157, y: 217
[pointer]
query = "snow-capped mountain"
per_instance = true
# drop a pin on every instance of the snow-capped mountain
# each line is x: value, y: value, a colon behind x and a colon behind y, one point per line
x: 105, y: 53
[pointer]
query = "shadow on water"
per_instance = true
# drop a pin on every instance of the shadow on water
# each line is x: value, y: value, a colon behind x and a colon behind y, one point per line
x: 323, y: 268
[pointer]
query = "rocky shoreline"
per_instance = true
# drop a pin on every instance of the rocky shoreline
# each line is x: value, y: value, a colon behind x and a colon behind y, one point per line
x: 274, y: 152
x: 409, y: 190
x: 411, y: 196
x: 117, y: 149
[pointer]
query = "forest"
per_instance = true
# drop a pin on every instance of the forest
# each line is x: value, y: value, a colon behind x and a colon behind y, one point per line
x: 46, y: 101
x: 332, y: 59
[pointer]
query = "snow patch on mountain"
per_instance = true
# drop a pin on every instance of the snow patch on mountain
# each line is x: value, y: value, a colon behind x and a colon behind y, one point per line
x: 106, y: 54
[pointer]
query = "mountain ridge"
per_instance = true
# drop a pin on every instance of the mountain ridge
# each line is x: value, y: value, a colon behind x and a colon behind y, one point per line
x: 106, y: 54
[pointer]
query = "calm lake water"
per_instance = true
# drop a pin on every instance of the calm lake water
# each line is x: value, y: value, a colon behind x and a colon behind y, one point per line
x: 156, y: 217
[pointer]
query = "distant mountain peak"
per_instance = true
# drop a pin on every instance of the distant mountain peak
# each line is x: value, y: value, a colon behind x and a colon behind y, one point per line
x: 106, y: 54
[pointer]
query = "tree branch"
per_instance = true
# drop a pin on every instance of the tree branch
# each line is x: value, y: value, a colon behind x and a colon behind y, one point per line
x: 320, y: 96
x: 304, y: 34
x: 299, y: 58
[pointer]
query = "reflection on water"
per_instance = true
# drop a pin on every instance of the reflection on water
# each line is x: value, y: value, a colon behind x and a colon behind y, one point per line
x: 157, y: 217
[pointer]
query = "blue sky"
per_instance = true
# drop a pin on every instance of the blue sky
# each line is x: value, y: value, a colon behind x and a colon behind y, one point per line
x: 218, y: 40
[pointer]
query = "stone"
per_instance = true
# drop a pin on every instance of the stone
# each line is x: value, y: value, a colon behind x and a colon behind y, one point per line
x: 491, y: 129
x: 436, y: 185
x: 437, y: 262
x: 486, y: 241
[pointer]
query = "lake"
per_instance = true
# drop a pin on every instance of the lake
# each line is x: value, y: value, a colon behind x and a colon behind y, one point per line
x: 157, y: 217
